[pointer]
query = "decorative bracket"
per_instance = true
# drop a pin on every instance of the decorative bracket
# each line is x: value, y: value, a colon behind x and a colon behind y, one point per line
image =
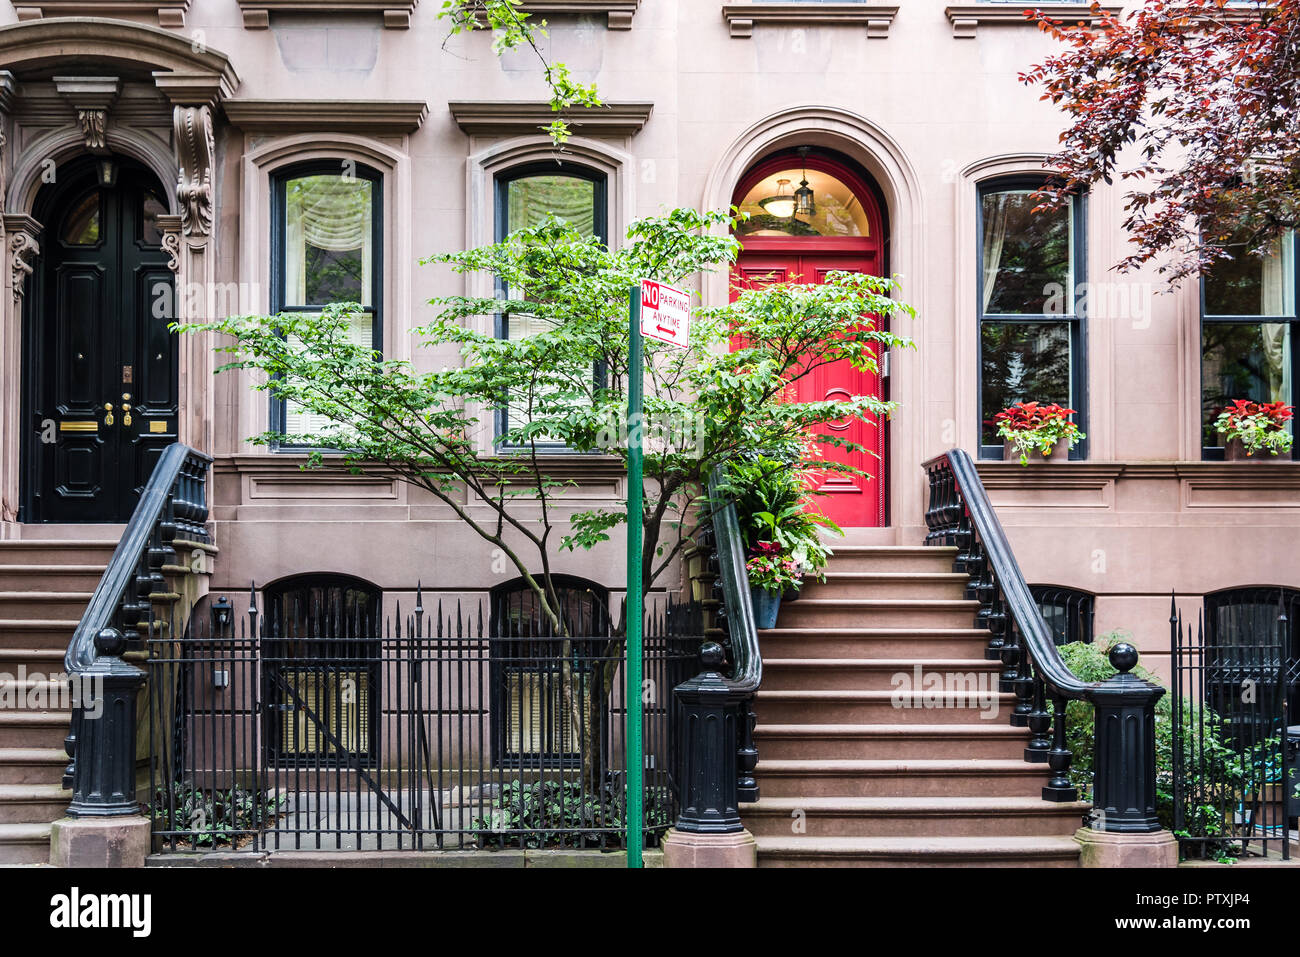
x: 171, y: 240
x: 195, y: 157
x: 91, y: 97
x: 23, y: 248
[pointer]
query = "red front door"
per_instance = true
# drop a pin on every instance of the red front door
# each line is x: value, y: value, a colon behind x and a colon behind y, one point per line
x: 852, y: 501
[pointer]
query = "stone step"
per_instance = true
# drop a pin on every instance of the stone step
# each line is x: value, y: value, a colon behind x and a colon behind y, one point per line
x: 890, y: 741
x: 912, y: 644
x: 24, y: 843
x: 47, y: 634
x: 26, y: 551
x: 890, y: 558
x: 886, y: 585
x: 923, y: 817
x: 861, y: 706
x: 993, y: 851
x: 878, y: 613
x: 32, y: 765
x: 50, y: 577
x: 34, y: 729
x: 43, y: 604
x: 880, y: 674
x: 900, y: 778
x: 32, y: 803
x: 48, y: 661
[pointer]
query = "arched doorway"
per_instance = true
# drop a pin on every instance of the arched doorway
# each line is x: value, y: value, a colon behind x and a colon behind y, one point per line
x: 100, y: 365
x: 814, y: 211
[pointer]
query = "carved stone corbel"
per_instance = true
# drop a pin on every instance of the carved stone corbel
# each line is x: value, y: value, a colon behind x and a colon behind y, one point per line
x: 23, y: 248
x: 171, y: 241
x: 90, y: 97
x: 195, y: 157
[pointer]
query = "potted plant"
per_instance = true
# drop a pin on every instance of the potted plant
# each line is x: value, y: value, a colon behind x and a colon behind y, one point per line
x: 1249, y: 428
x: 771, y: 572
x: 774, y: 505
x: 1028, y: 427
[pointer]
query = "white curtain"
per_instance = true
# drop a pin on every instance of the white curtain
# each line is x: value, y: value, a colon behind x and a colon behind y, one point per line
x: 995, y: 233
x: 332, y: 213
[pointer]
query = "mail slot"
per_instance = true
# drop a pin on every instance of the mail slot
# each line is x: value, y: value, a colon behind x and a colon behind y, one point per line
x: 90, y: 426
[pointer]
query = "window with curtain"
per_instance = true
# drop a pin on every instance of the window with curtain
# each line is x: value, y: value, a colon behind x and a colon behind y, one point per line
x: 1030, y: 310
x: 321, y: 670
x: 530, y: 724
x: 1249, y: 345
x: 327, y: 249
x: 524, y: 198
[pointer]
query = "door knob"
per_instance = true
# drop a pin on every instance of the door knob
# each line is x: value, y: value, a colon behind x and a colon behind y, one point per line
x: 108, y: 410
x: 126, y: 413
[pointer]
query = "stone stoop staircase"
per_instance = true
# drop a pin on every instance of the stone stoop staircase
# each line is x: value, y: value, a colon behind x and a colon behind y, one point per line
x: 45, y: 585
x: 847, y: 778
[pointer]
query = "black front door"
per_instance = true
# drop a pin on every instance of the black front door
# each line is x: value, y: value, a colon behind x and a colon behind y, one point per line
x: 103, y: 365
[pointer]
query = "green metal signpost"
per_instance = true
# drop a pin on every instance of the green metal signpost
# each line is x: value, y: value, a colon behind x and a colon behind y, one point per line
x: 666, y: 320
x: 632, y: 687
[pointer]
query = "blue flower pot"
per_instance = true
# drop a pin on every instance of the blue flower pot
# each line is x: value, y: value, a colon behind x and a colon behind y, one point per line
x: 766, y: 607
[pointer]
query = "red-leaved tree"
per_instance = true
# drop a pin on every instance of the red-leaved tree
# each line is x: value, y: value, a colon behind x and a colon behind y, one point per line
x: 1195, y: 106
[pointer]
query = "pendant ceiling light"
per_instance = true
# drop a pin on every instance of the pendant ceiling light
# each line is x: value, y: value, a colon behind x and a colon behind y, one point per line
x: 782, y: 204
x: 803, y: 196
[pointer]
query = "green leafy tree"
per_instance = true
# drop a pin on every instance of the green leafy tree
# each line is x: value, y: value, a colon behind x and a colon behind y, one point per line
x: 513, y: 28
x: 729, y: 395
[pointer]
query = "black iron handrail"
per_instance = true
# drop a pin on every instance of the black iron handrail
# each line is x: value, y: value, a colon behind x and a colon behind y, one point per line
x: 172, y: 507
x: 737, y: 603
x: 717, y: 757
x: 959, y: 513
x: 173, y: 501
x: 1020, y: 604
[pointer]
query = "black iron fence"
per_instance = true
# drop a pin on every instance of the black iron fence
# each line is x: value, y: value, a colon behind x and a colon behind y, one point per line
x: 465, y: 726
x: 1235, y: 786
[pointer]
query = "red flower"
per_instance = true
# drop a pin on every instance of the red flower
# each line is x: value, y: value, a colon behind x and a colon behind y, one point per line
x: 1028, y: 416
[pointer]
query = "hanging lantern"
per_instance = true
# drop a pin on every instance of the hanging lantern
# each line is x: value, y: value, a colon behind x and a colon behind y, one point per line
x: 804, y: 204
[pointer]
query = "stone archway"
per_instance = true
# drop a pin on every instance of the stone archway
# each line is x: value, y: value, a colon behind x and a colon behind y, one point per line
x: 173, y: 89
x: 871, y: 147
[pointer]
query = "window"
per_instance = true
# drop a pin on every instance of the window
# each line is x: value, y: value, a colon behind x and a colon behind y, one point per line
x: 524, y: 198
x: 831, y: 209
x: 530, y: 723
x: 326, y: 248
x: 1068, y: 612
x: 1248, y: 335
x: 1242, y: 638
x: 1030, y: 308
x: 321, y: 677
x: 81, y: 228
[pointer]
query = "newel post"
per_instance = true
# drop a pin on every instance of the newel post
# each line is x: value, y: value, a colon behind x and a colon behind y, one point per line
x: 1125, y: 831
x: 104, y: 826
x: 103, y: 783
x: 708, y: 832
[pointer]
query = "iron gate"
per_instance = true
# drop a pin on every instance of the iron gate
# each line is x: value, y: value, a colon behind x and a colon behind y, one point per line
x: 1234, y: 780
x: 423, y: 731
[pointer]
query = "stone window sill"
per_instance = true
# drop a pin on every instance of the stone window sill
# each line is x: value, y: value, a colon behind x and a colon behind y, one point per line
x: 396, y: 13
x: 170, y: 13
x: 741, y: 17
x: 618, y: 13
x: 968, y: 18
